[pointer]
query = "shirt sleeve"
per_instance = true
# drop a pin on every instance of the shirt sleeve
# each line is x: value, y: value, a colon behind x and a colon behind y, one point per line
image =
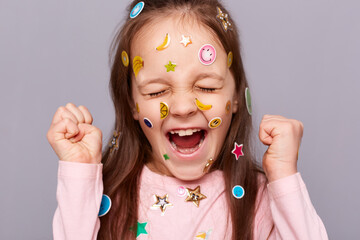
x: 285, y: 211
x: 79, y: 193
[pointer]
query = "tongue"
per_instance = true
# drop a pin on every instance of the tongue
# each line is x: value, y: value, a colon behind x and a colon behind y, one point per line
x: 187, y: 141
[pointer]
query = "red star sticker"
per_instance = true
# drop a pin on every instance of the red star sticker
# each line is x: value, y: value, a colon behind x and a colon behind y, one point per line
x: 237, y: 151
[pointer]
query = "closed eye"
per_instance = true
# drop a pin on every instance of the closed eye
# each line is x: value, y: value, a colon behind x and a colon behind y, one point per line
x: 207, y: 89
x: 155, y: 94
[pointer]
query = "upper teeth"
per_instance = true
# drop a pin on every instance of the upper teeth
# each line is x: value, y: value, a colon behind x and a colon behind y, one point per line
x: 186, y: 132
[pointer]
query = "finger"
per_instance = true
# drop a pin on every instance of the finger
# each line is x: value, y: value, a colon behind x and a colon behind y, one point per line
x: 267, y: 117
x: 265, y: 133
x: 63, y: 113
x: 64, y: 129
x: 78, y: 114
x: 86, y: 114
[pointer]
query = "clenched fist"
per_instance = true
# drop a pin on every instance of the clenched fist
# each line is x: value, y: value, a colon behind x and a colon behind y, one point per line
x: 283, y: 136
x: 73, y: 137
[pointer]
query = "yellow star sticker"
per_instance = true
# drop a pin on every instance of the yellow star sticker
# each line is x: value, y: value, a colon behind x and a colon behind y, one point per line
x: 224, y: 19
x: 170, y: 67
x: 194, y: 195
x: 162, y: 202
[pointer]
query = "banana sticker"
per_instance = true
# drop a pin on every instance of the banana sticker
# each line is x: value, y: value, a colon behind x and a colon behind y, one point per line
x: 202, y: 106
x: 165, y: 44
x: 138, y: 64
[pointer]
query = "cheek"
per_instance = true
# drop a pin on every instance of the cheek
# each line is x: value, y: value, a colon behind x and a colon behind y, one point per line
x: 149, y: 116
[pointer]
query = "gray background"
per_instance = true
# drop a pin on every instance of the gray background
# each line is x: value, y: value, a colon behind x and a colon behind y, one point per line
x: 301, y: 58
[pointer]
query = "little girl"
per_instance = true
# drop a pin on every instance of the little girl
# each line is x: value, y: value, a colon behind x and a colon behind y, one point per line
x: 180, y: 164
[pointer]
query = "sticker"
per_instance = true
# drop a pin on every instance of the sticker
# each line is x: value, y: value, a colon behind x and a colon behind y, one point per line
x: 170, y: 67
x: 164, y: 110
x: 223, y: 19
x: 238, y: 191
x: 237, y: 151
x: 203, y: 235
x: 114, y: 143
x: 148, y: 122
x: 162, y: 203
x: 125, y: 58
x: 137, y: 107
x: 181, y: 191
x: 140, y: 229
x: 215, y: 122
x: 248, y: 100
x: 138, y: 64
x: 137, y: 9
x: 208, y: 165
x: 186, y: 40
x: 228, y: 107
x: 165, y: 43
x: 230, y: 59
x: 194, y: 195
x: 202, y: 106
x: 207, y: 54
x: 105, y: 205
x: 166, y: 157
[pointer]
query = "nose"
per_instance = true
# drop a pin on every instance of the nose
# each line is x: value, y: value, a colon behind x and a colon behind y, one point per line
x: 183, y: 105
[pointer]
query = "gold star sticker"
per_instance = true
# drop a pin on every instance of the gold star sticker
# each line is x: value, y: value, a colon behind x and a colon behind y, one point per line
x: 186, y: 40
x: 224, y: 19
x: 162, y: 202
x: 114, y: 143
x: 170, y: 67
x: 194, y: 195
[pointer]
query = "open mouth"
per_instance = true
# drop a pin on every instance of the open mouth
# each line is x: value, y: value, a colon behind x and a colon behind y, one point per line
x: 186, y: 141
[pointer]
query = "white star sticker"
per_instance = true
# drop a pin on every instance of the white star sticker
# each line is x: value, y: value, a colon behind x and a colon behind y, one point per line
x: 186, y: 40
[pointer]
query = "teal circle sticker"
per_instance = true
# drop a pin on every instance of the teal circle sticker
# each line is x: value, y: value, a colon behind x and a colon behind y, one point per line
x: 238, y: 191
x: 105, y: 205
x: 137, y: 10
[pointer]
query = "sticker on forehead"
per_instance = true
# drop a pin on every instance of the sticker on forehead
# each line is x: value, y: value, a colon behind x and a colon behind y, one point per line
x: 148, y: 122
x: 215, y: 122
x: 207, y: 54
x: 170, y: 66
x: 228, y: 107
x: 125, y: 58
x: 164, y: 110
x: 138, y: 64
x: 137, y: 10
x: 248, y: 100
x: 186, y: 40
x: 165, y: 43
x: 230, y: 59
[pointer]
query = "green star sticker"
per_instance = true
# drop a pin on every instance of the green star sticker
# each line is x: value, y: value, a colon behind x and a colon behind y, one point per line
x: 166, y: 157
x: 141, y: 229
x: 170, y: 67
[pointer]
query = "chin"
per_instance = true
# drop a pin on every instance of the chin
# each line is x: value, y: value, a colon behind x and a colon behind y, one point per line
x: 188, y: 173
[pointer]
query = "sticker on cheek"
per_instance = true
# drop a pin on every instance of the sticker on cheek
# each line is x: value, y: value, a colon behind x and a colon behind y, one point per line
x: 238, y: 191
x: 137, y: 10
x: 125, y: 58
x: 164, y: 110
x: 202, y: 106
x: 137, y: 108
x: 207, y: 54
x: 138, y: 64
x: 166, y: 157
x: 148, y: 122
x: 230, y: 59
x: 228, y: 107
x: 215, y: 122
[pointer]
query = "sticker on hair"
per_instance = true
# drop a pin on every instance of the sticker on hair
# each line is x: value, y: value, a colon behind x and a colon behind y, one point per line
x: 228, y: 107
x: 238, y: 191
x: 137, y: 9
x: 170, y: 66
x: 248, y: 100
x: 207, y: 54
x: 237, y: 151
x: 208, y: 165
x: 114, y: 143
x: 215, y: 122
x: 202, y: 106
x: 161, y: 203
x: 105, y: 205
x: 125, y: 58
x: 165, y: 43
x: 230, y: 58
x: 148, y: 122
x: 186, y: 40
x: 164, y: 110
x: 223, y: 18
x: 138, y: 64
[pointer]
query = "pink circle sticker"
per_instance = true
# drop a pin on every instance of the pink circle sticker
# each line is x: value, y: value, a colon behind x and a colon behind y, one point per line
x: 181, y: 191
x: 207, y: 54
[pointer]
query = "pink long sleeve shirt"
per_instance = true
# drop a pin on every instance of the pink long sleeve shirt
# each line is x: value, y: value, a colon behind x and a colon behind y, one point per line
x: 284, y: 208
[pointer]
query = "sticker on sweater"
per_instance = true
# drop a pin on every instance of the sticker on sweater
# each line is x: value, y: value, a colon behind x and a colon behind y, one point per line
x: 203, y: 235
x: 105, y: 205
x: 238, y: 191
x: 162, y: 203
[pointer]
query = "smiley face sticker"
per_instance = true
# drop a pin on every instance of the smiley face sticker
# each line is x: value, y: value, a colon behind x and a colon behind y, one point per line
x: 215, y: 122
x: 207, y: 54
x: 137, y: 9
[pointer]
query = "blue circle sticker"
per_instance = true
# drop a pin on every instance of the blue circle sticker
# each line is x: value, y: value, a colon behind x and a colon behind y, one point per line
x: 137, y: 10
x: 105, y: 205
x: 148, y: 122
x: 238, y: 191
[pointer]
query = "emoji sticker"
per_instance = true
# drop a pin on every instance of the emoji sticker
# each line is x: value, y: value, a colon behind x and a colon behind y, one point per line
x: 215, y: 122
x: 248, y: 100
x: 125, y: 58
x: 237, y: 151
x: 105, y: 205
x: 181, y: 191
x: 238, y: 191
x: 138, y: 64
x: 164, y: 110
x: 207, y: 54
x: 137, y: 9
x: 224, y: 19
x: 230, y: 59
x: 165, y: 43
x: 170, y: 67
x: 186, y: 40
x: 228, y: 107
x: 148, y: 122
x: 202, y: 106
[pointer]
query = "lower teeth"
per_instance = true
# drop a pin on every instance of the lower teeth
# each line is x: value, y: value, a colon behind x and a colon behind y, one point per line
x: 187, y: 150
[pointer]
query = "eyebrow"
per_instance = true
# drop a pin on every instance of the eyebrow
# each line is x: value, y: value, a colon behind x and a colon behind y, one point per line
x: 154, y: 80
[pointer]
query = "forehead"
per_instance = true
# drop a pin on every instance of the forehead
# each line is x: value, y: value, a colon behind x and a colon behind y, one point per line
x: 186, y: 58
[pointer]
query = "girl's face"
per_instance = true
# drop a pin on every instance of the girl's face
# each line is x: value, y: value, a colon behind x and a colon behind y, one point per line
x: 176, y: 105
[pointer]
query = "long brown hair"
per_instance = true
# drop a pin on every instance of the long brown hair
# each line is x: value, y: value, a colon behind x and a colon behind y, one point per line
x: 122, y: 168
